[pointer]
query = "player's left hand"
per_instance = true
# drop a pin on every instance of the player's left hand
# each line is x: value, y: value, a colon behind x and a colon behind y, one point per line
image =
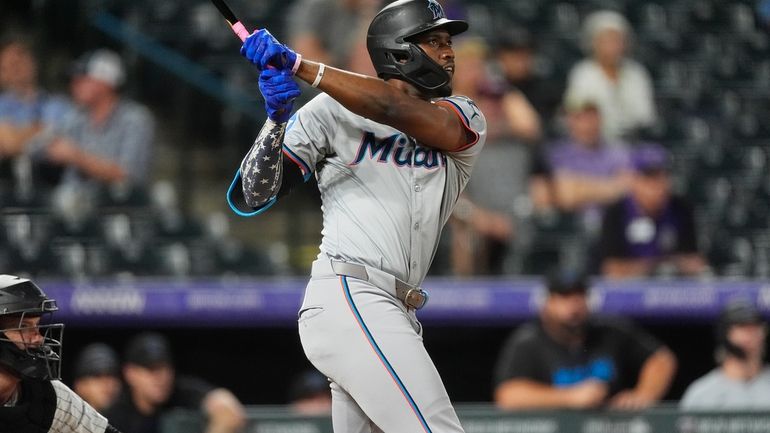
x: 279, y: 90
x: 263, y: 50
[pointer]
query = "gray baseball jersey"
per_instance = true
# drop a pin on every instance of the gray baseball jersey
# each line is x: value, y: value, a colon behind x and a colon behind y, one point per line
x: 385, y: 200
x: 385, y: 197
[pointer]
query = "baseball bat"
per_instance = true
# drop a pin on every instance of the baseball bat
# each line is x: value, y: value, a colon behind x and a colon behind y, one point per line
x: 232, y: 20
x: 238, y: 28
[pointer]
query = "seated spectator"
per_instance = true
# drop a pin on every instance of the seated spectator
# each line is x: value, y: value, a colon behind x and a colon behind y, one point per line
x: 482, y: 225
x: 650, y: 230
x: 153, y: 388
x: 569, y: 359
x: 742, y: 379
x: 331, y: 32
x: 109, y: 139
x: 97, y: 376
x: 583, y: 171
x: 515, y: 53
x: 309, y: 394
x: 25, y: 109
x: 621, y: 87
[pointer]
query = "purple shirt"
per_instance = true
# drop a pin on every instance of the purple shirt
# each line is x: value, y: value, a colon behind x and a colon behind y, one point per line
x: 628, y: 233
x: 604, y: 161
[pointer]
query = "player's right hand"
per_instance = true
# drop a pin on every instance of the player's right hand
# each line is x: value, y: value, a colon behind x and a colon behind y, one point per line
x: 279, y: 90
x: 264, y: 50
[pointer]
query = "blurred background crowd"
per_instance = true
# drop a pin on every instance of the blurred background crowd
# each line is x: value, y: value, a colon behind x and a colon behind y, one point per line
x: 626, y: 140
x: 626, y: 137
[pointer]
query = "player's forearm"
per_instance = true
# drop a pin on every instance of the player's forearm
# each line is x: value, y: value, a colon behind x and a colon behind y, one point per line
x: 528, y: 394
x: 381, y: 102
x: 262, y: 168
x: 656, y: 375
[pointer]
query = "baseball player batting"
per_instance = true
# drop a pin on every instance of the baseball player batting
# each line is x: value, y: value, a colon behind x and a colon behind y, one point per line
x: 391, y: 156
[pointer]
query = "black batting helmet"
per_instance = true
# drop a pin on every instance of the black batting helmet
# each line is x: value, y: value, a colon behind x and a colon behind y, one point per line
x: 20, y: 298
x: 393, y: 53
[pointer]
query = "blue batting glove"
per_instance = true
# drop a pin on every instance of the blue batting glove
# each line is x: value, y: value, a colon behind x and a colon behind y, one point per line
x: 263, y: 50
x: 279, y: 90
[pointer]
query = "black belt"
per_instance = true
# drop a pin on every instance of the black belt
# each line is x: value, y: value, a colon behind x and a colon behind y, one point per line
x: 411, y: 296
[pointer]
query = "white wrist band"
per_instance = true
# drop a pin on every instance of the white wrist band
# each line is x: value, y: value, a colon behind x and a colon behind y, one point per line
x: 296, y: 64
x: 321, y: 69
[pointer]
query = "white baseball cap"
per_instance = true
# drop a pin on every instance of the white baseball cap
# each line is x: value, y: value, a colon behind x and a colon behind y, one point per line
x: 103, y: 65
x: 602, y: 20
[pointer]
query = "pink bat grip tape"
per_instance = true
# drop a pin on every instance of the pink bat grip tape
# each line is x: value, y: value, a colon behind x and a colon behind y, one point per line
x: 241, y: 31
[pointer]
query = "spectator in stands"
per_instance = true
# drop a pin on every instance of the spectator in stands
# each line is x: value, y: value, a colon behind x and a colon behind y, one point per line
x: 25, y: 109
x: 621, y: 86
x: 742, y: 379
x: 585, y: 170
x: 482, y: 226
x: 153, y: 388
x: 515, y: 54
x: 309, y: 394
x: 650, y: 230
x: 331, y: 32
x: 97, y: 376
x: 569, y: 359
x: 109, y: 139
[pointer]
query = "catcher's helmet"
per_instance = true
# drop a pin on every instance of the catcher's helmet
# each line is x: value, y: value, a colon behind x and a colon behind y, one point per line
x: 393, y: 53
x: 20, y: 298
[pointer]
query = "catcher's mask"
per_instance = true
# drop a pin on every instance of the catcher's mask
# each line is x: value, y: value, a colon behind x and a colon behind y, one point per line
x: 390, y: 41
x: 29, y: 348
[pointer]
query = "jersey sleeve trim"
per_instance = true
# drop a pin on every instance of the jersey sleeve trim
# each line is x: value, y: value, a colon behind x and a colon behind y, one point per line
x: 303, y: 166
x: 234, y: 207
x: 466, y: 123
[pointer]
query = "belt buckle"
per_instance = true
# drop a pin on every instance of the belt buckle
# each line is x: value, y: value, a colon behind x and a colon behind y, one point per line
x: 416, y: 298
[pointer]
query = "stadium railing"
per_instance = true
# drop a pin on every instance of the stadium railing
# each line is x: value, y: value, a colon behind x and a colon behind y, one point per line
x: 481, y: 418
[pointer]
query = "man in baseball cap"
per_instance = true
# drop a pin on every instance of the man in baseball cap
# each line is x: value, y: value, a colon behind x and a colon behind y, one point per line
x: 651, y: 230
x: 97, y: 375
x: 153, y: 388
x: 101, y: 65
x: 108, y: 140
x: 572, y: 359
x: 742, y: 379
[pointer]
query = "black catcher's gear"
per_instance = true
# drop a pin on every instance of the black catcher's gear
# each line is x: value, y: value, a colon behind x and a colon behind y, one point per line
x: 21, y: 298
